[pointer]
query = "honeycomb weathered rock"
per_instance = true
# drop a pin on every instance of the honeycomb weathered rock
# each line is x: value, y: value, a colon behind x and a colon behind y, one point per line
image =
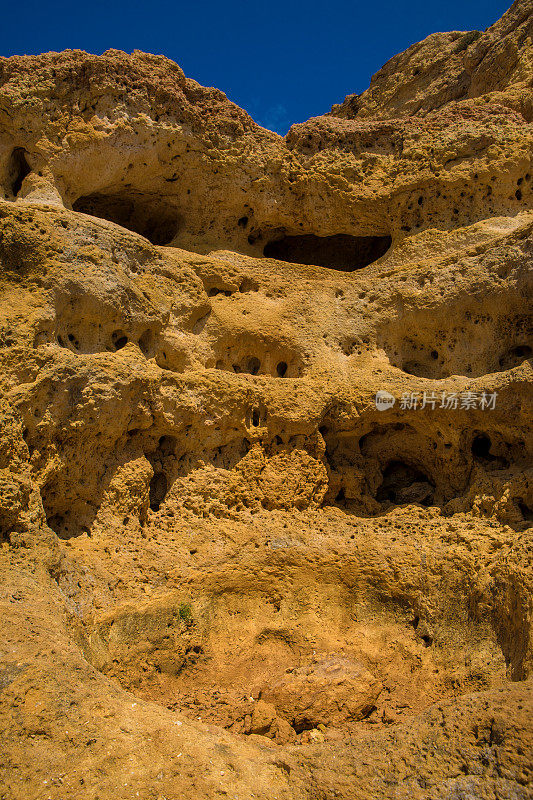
x: 226, y: 571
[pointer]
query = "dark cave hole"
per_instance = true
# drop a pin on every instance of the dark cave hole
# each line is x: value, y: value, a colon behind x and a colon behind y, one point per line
x: 152, y: 220
x: 526, y: 511
x: 403, y: 483
x: 167, y: 444
x: 254, y: 365
x: 281, y: 369
x: 481, y: 445
x: 302, y: 725
x: 147, y: 343
x: 255, y: 417
x: 119, y: 339
x: 515, y: 356
x: 158, y: 490
x: 19, y: 168
x: 243, y: 222
x: 55, y: 522
x: 342, y: 251
x: 64, y: 526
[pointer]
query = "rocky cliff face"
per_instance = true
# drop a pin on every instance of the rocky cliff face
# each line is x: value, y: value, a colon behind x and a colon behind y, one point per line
x: 226, y: 570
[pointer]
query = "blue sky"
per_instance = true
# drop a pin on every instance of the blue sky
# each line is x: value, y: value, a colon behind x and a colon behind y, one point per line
x: 282, y: 61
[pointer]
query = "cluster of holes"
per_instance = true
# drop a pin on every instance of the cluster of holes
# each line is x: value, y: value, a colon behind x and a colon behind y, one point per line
x: 118, y: 340
x: 169, y: 462
x: 443, y: 359
x: 520, y: 183
x: 461, y: 213
x: 251, y: 365
x: 404, y: 479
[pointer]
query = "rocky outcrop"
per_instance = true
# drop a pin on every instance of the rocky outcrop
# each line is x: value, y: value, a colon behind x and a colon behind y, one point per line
x: 492, y: 66
x: 266, y: 475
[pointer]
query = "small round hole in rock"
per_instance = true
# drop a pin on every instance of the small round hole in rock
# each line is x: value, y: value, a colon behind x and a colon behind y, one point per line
x: 481, y: 445
x: 281, y: 369
x: 74, y: 342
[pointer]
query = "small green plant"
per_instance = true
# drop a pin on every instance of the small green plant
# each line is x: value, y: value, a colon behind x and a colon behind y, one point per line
x: 466, y: 40
x: 185, y: 613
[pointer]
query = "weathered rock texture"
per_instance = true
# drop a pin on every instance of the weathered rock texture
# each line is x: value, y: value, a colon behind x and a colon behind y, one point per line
x: 224, y: 571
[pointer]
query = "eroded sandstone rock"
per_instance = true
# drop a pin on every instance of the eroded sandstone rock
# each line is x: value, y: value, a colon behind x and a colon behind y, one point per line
x: 225, y: 570
x: 329, y: 691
